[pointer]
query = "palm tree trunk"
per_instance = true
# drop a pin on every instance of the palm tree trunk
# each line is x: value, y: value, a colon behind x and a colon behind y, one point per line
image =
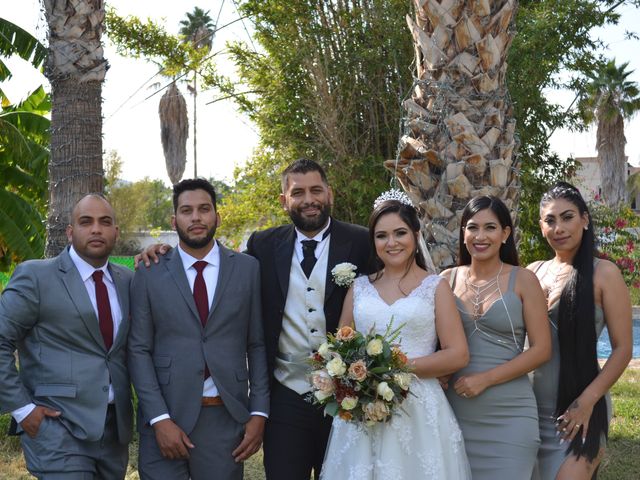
x: 459, y: 132
x: 76, y: 68
x: 195, y: 125
x: 610, y: 144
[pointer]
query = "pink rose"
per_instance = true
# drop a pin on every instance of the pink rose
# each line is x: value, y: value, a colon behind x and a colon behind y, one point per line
x: 358, y: 371
x: 345, y: 333
x: 323, y: 382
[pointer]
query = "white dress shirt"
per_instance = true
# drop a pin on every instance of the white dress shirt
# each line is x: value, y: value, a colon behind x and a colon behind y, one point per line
x: 210, y: 274
x: 86, y: 271
x: 322, y: 242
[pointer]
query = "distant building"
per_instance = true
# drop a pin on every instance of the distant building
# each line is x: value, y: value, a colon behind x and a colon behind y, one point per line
x: 589, y: 181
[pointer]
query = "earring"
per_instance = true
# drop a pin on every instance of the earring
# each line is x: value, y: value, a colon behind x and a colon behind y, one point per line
x: 586, y: 227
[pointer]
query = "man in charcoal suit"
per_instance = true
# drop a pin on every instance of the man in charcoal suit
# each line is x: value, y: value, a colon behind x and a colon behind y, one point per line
x: 68, y: 319
x: 196, y: 351
x: 301, y: 303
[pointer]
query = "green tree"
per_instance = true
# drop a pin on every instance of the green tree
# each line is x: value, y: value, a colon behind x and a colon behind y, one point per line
x: 610, y: 98
x: 24, y: 154
x: 326, y: 83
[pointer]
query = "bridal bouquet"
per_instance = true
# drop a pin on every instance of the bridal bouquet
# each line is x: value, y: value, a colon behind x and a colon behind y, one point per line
x: 360, y: 378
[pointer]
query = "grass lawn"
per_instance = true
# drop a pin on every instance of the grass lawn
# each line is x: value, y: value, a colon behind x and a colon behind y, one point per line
x: 622, y: 461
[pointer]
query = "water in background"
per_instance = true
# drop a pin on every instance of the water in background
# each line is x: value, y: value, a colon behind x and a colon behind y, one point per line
x: 604, y: 347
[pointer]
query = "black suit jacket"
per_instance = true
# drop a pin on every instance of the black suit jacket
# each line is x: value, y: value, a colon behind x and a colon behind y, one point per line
x: 274, y: 249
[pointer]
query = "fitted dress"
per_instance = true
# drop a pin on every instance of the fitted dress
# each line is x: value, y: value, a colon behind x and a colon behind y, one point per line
x: 423, y: 440
x: 499, y: 426
x: 551, y: 454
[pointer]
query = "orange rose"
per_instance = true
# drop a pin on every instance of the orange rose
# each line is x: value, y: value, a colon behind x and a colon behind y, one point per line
x: 358, y: 371
x: 345, y: 333
x: 345, y: 415
x: 400, y: 356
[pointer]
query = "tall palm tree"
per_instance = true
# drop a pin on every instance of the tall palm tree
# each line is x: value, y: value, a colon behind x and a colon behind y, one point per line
x: 610, y: 98
x: 198, y: 28
x: 458, y: 138
x: 76, y: 68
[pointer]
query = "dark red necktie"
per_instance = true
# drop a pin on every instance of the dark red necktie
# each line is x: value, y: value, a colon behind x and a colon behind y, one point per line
x: 104, y: 309
x: 202, y: 299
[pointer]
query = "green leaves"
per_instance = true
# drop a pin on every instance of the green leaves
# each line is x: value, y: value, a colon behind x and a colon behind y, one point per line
x: 16, y: 41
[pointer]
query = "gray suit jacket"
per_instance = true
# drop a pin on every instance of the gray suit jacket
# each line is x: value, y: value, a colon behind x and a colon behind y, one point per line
x: 168, y: 346
x: 46, y: 314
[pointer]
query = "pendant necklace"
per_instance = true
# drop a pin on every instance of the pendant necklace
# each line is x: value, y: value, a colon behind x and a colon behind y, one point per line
x: 479, y: 291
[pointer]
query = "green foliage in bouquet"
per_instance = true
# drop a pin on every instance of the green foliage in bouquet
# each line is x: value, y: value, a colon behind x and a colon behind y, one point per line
x: 360, y: 378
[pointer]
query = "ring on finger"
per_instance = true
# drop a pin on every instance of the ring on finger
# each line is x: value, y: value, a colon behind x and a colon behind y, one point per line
x: 576, y: 426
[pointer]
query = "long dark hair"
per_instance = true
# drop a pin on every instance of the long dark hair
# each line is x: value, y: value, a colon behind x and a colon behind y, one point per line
x: 508, y: 251
x: 409, y: 215
x: 577, y: 331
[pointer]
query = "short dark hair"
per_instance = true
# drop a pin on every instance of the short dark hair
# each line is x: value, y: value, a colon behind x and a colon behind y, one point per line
x: 508, y: 250
x: 302, y: 165
x: 193, y: 184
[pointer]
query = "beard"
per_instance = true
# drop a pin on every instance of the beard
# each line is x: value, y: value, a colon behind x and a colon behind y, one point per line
x: 305, y: 224
x: 183, y: 235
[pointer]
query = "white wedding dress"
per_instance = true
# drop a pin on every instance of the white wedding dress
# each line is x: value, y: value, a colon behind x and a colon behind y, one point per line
x: 421, y: 442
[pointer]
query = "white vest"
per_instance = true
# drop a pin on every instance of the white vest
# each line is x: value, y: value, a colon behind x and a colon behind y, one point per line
x: 303, y: 324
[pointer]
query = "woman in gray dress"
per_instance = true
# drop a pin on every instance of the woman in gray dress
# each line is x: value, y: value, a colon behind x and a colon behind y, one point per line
x: 500, y: 304
x: 583, y: 294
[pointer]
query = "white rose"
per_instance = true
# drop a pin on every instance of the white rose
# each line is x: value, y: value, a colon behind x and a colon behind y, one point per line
x: 344, y: 274
x: 374, y: 347
x: 336, y: 367
x: 384, y: 390
x: 324, y: 350
x: 403, y: 380
x: 321, y: 396
x: 349, y: 403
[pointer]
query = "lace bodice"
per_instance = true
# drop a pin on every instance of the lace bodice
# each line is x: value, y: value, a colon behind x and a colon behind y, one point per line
x: 415, y: 312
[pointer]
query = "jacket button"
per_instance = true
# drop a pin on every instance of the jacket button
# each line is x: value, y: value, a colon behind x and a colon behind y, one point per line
x: 105, y: 389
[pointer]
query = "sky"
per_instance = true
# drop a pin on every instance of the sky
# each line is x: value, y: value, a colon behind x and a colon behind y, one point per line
x: 226, y: 138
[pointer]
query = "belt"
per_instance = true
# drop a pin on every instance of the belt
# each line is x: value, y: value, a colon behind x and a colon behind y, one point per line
x: 211, y: 401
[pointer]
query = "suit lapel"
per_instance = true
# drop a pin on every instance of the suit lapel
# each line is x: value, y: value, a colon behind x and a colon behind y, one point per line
x: 227, y: 265
x: 122, y: 289
x: 176, y: 269
x: 79, y: 297
x: 339, y: 249
x: 283, y: 259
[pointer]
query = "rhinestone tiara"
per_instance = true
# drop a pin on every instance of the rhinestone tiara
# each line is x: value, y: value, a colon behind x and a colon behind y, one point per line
x: 393, y: 194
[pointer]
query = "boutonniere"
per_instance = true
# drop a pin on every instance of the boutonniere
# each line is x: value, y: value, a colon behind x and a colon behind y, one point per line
x: 344, y: 274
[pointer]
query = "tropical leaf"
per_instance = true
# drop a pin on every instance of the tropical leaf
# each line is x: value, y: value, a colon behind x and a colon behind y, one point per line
x: 22, y: 227
x: 17, y: 41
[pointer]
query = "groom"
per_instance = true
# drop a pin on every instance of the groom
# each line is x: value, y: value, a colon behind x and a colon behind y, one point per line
x: 300, y: 304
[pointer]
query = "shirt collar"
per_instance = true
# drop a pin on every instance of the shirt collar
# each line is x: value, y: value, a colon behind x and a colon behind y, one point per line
x: 320, y: 236
x: 85, y: 269
x: 212, y: 258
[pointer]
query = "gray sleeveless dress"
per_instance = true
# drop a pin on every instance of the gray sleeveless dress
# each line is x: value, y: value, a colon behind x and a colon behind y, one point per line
x: 499, y: 426
x: 545, y: 386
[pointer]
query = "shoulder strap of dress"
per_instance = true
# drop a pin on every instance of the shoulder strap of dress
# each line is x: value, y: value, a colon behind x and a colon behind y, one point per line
x: 512, y: 277
x: 452, y: 277
x: 538, y: 265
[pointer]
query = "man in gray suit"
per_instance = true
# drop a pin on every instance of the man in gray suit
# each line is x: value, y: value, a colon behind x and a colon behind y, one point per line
x: 68, y: 318
x: 196, y: 351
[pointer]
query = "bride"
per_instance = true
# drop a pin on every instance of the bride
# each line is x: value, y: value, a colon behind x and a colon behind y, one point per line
x: 422, y: 440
